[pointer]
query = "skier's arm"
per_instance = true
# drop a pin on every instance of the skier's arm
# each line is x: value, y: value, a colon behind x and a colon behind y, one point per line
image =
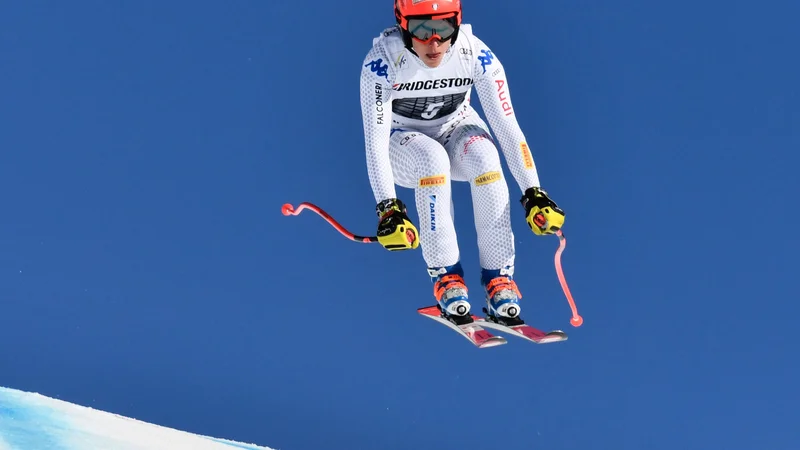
x: 491, y: 85
x: 376, y: 92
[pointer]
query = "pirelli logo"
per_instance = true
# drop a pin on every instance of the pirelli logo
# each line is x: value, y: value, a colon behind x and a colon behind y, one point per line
x: 527, y: 158
x: 486, y: 178
x: 436, y: 180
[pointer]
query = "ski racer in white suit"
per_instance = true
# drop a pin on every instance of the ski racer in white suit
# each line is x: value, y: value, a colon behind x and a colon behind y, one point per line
x: 421, y: 133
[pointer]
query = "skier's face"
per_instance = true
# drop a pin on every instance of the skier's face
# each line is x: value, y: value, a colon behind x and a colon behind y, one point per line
x: 431, y: 53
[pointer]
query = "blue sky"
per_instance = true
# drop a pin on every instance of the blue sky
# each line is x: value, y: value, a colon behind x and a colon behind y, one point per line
x: 146, y: 269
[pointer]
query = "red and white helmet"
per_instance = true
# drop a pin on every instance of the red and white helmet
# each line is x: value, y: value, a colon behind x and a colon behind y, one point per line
x: 425, y: 20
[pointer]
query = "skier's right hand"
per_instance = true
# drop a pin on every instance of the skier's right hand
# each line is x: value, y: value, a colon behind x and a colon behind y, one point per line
x: 395, y: 230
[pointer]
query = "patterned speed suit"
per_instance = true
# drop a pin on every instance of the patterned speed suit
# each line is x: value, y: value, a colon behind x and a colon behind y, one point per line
x: 421, y: 133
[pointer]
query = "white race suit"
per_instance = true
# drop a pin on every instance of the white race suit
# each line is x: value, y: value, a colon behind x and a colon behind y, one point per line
x: 421, y: 133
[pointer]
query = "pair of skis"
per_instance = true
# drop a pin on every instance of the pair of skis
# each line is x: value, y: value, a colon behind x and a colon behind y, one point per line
x: 473, y: 328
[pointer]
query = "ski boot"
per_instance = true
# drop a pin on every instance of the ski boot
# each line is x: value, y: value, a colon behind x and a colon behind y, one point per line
x: 502, y: 296
x: 451, y: 292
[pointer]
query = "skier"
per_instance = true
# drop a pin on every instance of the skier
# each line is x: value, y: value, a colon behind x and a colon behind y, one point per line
x: 421, y: 133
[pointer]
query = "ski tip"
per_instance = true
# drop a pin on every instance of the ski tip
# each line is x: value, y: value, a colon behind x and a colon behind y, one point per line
x: 493, y: 342
x: 554, y: 336
x: 576, y: 321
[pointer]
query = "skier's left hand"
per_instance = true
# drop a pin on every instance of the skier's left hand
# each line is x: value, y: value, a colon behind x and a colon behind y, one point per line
x: 541, y: 213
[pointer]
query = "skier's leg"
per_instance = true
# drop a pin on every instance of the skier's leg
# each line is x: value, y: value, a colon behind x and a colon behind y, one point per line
x: 475, y: 159
x: 421, y: 163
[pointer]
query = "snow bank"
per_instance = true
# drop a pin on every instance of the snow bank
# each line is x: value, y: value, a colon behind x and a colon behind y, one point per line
x: 30, y: 421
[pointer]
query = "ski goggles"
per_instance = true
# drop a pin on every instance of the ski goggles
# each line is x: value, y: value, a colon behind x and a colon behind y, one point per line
x: 426, y: 30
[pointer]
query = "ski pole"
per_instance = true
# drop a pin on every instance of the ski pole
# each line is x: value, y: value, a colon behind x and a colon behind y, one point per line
x: 576, y: 320
x: 289, y: 210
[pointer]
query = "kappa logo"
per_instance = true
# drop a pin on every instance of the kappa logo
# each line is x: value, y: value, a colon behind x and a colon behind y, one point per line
x: 436, y: 180
x: 487, y: 178
x: 486, y: 59
x: 379, y: 68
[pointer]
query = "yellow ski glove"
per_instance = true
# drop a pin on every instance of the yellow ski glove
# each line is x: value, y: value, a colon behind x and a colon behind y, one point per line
x: 395, y: 230
x: 541, y: 213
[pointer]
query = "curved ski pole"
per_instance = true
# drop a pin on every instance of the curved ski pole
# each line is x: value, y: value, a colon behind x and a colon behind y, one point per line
x: 576, y: 320
x: 289, y: 210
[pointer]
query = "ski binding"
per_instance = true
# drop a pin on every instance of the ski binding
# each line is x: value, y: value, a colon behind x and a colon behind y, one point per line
x: 467, y: 326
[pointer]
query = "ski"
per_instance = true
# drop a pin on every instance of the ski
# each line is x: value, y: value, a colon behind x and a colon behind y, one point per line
x: 519, y: 328
x: 467, y: 326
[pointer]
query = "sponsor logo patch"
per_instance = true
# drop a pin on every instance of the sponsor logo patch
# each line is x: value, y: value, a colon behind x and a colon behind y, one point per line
x: 433, y: 84
x: 379, y: 103
x: 432, y: 206
x: 527, y: 159
x: 379, y: 68
x: 486, y: 59
x: 487, y: 178
x: 503, y: 96
x: 436, y: 180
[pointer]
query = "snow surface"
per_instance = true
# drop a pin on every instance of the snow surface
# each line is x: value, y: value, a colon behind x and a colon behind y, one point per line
x: 30, y: 421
